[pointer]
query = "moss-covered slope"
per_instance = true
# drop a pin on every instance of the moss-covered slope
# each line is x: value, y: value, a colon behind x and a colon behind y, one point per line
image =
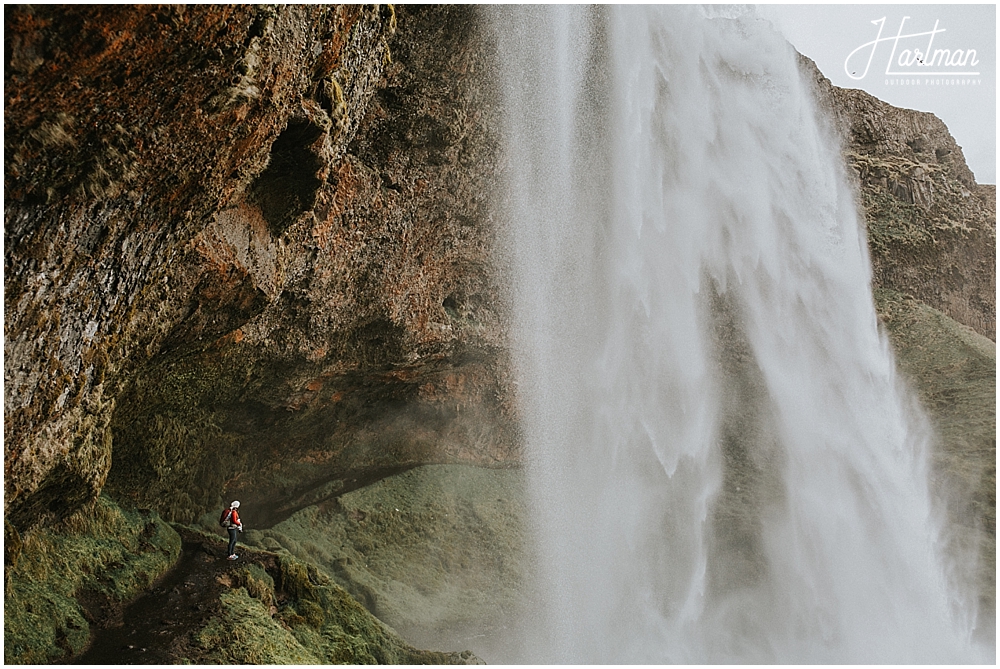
x: 71, y: 589
x: 275, y: 609
x: 439, y: 552
x: 61, y: 579
x: 953, y: 371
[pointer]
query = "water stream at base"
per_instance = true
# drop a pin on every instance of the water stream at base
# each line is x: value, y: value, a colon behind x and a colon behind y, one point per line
x: 724, y: 465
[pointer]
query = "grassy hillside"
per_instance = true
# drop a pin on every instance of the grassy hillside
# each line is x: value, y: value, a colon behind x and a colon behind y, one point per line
x: 953, y: 371
x: 438, y: 552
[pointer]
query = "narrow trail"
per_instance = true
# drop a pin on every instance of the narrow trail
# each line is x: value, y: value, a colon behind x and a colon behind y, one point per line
x: 158, y: 627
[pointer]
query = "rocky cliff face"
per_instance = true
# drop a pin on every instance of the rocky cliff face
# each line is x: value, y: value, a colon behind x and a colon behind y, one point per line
x: 246, y: 253
x: 931, y: 227
x: 376, y: 341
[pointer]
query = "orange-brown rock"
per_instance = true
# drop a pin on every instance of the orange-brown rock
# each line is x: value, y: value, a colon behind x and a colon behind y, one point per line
x: 239, y: 240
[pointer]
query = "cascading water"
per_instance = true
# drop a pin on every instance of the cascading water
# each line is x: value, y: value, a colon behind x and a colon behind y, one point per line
x: 724, y: 468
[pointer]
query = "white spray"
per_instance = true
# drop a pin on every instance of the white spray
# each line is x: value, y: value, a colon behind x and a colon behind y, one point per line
x: 724, y: 468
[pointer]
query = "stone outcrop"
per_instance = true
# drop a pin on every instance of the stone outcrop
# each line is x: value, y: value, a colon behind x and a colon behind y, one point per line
x: 931, y: 227
x: 126, y: 130
x: 378, y: 340
x: 247, y: 251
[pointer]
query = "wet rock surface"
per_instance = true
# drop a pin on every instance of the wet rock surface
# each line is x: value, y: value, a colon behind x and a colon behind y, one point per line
x: 383, y: 347
x: 126, y: 130
x: 291, y: 279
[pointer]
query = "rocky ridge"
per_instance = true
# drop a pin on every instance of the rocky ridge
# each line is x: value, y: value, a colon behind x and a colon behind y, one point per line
x: 126, y: 131
x: 931, y: 227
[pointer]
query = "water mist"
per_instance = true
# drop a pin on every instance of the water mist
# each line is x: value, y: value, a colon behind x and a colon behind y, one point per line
x: 723, y: 465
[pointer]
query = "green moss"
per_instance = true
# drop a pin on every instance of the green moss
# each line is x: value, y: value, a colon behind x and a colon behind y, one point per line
x: 101, y: 552
x: 438, y: 552
x: 245, y: 633
x: 318, y: 623
x: 893, y: 223
x: 333, y: 625
x: 169, y: 448
x: 953, y: 370
x: 257, y: 582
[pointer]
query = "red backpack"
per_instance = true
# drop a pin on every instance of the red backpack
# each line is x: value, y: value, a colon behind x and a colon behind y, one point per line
x: 224, y: 521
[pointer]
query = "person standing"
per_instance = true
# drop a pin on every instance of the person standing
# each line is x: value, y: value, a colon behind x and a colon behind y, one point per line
x: 231, y: 521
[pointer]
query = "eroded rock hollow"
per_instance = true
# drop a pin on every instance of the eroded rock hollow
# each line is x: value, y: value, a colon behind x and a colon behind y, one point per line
x: 247, y: 253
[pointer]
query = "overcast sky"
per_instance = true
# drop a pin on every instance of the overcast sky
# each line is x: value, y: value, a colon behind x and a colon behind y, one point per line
x: 830, y: 33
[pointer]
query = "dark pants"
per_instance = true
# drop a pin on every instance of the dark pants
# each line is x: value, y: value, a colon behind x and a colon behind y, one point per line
x: 232, y: 540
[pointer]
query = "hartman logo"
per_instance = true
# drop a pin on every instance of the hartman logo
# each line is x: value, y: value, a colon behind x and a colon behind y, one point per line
x: 912, y: 54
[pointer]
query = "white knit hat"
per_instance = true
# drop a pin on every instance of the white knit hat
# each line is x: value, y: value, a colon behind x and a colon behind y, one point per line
x: 235, y: 505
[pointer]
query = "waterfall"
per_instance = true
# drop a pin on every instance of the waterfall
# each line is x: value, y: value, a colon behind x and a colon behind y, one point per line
x: 724, y: 466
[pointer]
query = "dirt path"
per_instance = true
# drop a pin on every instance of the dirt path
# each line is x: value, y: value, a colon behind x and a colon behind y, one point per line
x: 157, y: 628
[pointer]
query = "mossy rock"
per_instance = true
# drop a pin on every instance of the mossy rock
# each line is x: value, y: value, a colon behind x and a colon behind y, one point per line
x: 315, y: 622
x: 247, y: 634
x: 83, y: 570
